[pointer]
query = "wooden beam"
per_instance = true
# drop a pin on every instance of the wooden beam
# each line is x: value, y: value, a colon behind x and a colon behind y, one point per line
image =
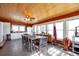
x: 2, y: 19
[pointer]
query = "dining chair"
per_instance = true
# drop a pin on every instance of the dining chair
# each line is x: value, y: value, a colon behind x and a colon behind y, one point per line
x: 40, y: 45
x: 25, y: 42
x: 67, y: 43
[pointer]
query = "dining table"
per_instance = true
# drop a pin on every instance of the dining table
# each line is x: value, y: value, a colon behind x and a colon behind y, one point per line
x: 42, y: 40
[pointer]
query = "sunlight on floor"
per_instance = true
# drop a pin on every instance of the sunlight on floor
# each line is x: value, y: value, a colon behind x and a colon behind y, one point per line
x: 55, y: 52
x: 52, y: 51
x: 37, y: 54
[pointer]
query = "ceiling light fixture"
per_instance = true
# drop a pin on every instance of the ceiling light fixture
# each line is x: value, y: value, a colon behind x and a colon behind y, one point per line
x: 29, y: 18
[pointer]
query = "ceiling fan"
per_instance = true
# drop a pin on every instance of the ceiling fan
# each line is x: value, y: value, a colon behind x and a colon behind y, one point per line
x: 28, y: 18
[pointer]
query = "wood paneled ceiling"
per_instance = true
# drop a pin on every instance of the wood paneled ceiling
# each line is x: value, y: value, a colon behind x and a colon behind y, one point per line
x: 16, y: 12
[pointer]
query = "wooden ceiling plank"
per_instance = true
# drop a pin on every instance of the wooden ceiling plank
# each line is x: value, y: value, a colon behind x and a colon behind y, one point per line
x: 59, y: 17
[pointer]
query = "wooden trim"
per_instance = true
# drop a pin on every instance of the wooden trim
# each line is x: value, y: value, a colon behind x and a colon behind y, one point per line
x: 59, y: 17
x: 16, y: 22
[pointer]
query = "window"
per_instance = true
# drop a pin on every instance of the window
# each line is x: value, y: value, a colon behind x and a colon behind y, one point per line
x: 43, y: 28
x: 16, y: 28
x: 72, y: 24
x: 29, y: 30
x: 59, y: 29
x: 35, y: 29
x: 71, y: 27
x: 21, y: 28
x: 50, y: 29
x: 39, y: 29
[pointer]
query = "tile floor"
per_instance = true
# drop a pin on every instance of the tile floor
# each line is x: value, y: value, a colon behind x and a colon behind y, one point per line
x: 14, y: 48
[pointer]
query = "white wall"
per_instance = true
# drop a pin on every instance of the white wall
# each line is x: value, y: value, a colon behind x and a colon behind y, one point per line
x: 1, y: 31
x: 4, y: 29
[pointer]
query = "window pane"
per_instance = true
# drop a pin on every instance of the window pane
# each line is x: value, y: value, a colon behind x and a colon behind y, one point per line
x: 14, y: 28
x: 71, y: 27
x: 29, y: 30
x: 71, y: 34
x: 59, y: 30
x: 21, y: 28
x: 35, y: 29
x: 43, y: 28
x: 18, y: 28
x: 72, y: 24
x: 50, y: 28
x: 60, y: 35
x: 59, y: 26
x: 39, y: 29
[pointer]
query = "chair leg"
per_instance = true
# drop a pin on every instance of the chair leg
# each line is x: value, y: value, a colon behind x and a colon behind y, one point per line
x: 47, y: 46
x: 40, y: 51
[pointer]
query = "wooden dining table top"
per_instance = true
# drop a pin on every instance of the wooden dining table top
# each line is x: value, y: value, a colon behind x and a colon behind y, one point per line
x: 37, y: 37
x: 33, y: 37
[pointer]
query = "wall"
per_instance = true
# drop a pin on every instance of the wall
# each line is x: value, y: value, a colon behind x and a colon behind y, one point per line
x: 4, y: 29
x: 1, y: 31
